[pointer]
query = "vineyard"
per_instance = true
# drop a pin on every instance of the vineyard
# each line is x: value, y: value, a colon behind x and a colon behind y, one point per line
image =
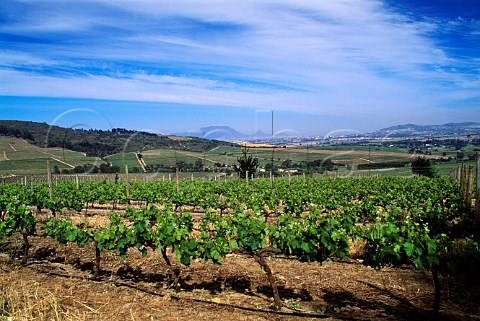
x: 417, y: 224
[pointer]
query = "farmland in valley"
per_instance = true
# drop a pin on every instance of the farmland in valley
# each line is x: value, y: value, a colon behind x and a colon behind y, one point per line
x: 27, y: 159
x: 70, y: 148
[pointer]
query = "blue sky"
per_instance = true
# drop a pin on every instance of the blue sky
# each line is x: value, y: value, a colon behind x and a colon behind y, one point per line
x: 176, y: 66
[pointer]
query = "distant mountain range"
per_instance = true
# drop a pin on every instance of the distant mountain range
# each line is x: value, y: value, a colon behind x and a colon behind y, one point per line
x: 227, y: 133
x: 449, y: 129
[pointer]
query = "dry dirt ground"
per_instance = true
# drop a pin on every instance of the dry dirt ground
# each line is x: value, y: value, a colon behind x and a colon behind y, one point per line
x: 57, y: 284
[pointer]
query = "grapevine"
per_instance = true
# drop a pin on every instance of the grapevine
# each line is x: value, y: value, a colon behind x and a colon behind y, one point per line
x: 401, y: 221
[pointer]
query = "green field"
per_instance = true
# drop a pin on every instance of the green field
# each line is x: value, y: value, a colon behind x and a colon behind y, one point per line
x: 17, y: 157
x: 121, y: 160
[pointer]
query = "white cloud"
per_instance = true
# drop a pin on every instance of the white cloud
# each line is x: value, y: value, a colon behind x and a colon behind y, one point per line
x: 10, y: 58
x: 330, y: 57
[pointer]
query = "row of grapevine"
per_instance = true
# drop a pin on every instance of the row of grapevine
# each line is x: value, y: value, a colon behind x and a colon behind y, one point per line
x: 363, y: 197
x: 314, y: 237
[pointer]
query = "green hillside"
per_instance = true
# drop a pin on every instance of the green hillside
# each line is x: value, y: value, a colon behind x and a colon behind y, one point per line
x: 18, y: 157
x: 100, y: 143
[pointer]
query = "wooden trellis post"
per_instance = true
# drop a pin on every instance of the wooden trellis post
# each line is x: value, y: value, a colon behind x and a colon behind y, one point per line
x: 463, y: 181
x: 469, y: 188
x: 49, y: 178
x: 178, y: 180
x: 127, y: 191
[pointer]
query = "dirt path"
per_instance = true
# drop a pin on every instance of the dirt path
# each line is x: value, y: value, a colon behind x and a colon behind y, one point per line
x: 57, y: 159
x: 141, y: 161
x: 60, y: 161
x: 213, y: 149
x: 196, y: 156
x: 12, y: 147
x: 5, y: 158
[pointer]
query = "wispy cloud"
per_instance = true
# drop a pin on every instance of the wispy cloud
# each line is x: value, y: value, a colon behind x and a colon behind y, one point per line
x: 327, y: 57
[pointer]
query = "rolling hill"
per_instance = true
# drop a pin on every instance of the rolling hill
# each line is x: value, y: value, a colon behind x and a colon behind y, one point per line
x: 100, y: 143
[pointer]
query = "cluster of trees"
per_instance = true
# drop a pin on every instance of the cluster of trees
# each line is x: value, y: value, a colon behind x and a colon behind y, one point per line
x: 15, y: 132
x: 95, y: 149
x: 181, y: 165
x: 322, y: 165
x: 88, y: 169
x: 454, y: 143
x: 184, y: 166
x: 319, y: 165
x: 122, y: 130
x: 383, y: 165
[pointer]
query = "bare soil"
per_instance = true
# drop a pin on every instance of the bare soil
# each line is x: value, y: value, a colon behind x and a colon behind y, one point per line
x: 57, y: 284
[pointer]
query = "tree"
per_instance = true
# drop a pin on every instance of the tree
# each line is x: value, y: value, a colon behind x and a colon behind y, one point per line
x: 198, y: 164
x: 246, y: 163
x: 423, y: 167
x: 269, y: 167
x: 287, y: 163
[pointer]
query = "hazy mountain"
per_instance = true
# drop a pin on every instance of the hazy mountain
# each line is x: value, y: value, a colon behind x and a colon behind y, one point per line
x: 466, y: 128
x: 215, y: 132
x: 227, y: 133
